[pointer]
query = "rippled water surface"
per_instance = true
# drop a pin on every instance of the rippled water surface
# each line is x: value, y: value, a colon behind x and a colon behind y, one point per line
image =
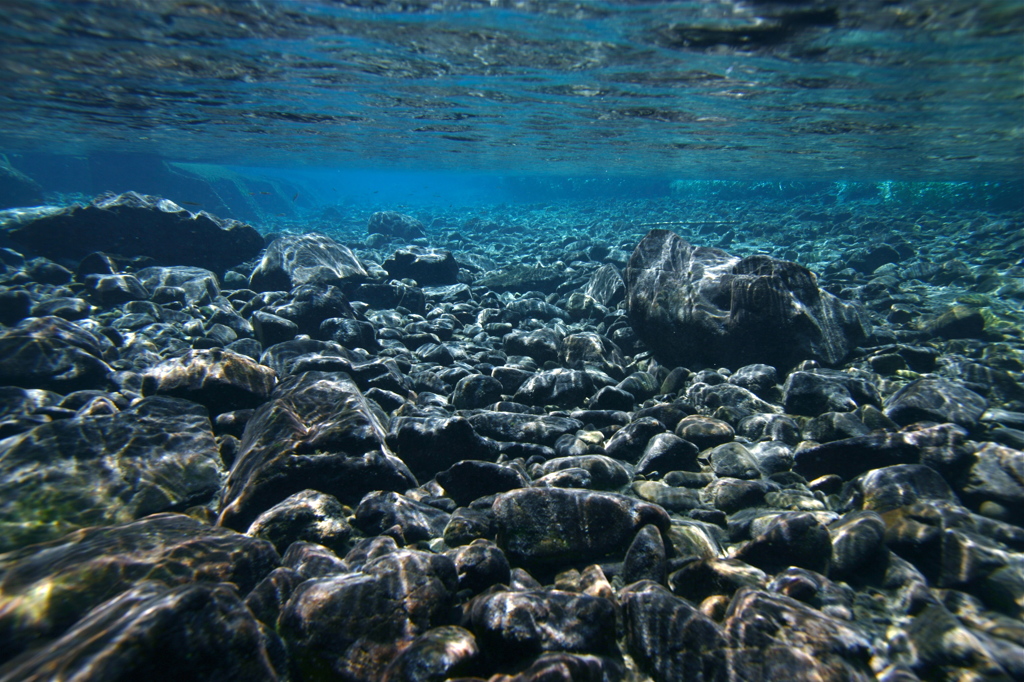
x: 815, y: 89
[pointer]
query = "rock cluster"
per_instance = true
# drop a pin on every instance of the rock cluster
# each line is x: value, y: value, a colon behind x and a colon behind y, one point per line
x: 393, y: 461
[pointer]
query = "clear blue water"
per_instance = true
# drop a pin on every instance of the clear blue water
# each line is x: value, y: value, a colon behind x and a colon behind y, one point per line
x: 466, y: 93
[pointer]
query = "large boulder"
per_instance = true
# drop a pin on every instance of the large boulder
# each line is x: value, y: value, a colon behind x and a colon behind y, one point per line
x: 158, y: 455
x: 133, y: 225
x: 701, y: 305
x: 45, y: 589
x: 296, y: 259
x: 317, y: 431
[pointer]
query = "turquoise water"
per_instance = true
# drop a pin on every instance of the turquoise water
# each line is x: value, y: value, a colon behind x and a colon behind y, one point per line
x: 472, y: 92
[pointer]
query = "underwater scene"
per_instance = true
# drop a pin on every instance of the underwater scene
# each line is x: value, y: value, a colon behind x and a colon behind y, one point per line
x: 511, y: 340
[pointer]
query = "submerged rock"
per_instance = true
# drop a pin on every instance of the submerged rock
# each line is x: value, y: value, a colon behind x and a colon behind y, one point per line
x: 427, y: 266
x: 194, y: 632
x: 158, y: 455
x: 132, y: 224
x: 550, y: 527
x: 311, y: 258
x: 52, y: 353
x: 353, y: 625
x: 45, y: 589
x: 701, y: 305
x: 317, y: 431
x: 218, y: 379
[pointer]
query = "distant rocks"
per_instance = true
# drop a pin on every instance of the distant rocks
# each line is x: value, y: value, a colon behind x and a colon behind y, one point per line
x: 702, y: 305
x: 430, y: 267
x: 394, y: 224
x: 132, y: 225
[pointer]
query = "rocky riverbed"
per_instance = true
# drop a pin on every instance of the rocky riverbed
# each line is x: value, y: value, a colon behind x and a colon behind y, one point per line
x: 619, y: 442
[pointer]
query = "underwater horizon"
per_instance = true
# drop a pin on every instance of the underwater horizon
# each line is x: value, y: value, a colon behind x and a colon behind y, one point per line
x: 511, y: 340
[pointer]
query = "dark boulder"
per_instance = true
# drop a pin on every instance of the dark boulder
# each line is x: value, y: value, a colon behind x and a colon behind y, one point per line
x: 133, y: 225
x: 52, y: 353
x: 701, y: 305
x: 475, y: 391
x: 773, y: 637
x: 310, y: 305
x: 550, y: 527
x: 307, y: 516
x: 937, y: 400
x: 606, y: 473
x: 427, y: 266
x: 589, y: 350
x: 513, y: 626
x: 669, y: 638
x: 564, y: 388
x: 790, y: 539
x: 606, y: 286
x: 440, y: 653
x: 469, y: 479
x: 481, y: 564
x: 849, y: 457
x: 812, y: 393
x: 312, y: 258
x: 523, y: 428
x: 428, y: 445
x: 199, y: 286
x: 401, y: 517
x: 316, y: 431
x: 353, y: 625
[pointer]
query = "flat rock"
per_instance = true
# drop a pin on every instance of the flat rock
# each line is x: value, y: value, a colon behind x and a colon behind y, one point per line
x: 134, y: 225
x: 317, y: 431
x: 523, y: 428
x: 311, y: 258
x: 218, y: 379
x: 523, y: 278
x: 701, y: 305
x: 849, y: 457
x: 157, y: 455
x: 45, y: 589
